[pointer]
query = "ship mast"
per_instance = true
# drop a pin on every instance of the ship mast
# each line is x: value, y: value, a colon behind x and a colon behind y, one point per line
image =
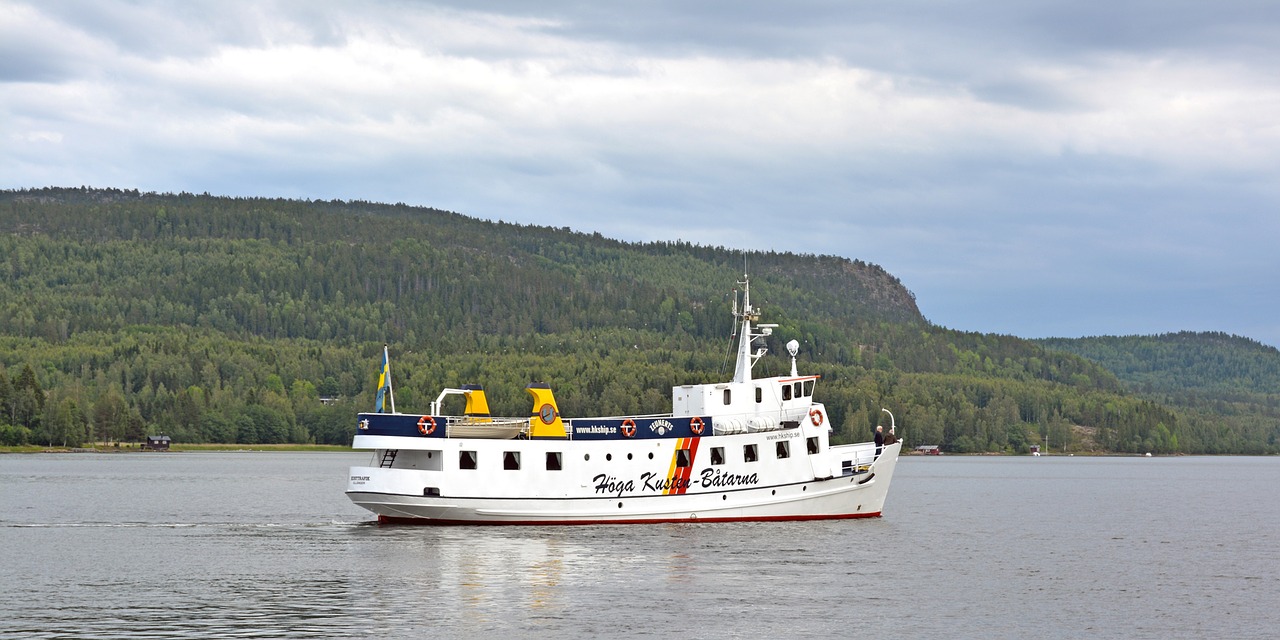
x: 748, y: 352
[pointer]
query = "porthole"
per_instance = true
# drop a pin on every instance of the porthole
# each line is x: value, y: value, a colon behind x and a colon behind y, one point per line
x: 628, y: 456
x: 724, y: 496
x: 586, y: 457
x: 608, y: 457
x: 619, y: 505
x: 650, y: 455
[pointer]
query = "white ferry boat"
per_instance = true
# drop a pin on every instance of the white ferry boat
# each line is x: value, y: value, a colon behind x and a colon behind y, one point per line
x: 748, y: 449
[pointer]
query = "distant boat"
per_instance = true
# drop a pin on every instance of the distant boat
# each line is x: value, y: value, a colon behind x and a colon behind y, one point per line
x: 747, y: 449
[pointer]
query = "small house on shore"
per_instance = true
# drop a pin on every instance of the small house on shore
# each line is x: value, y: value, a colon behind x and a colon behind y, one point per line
x: 157, y: 443
x: 929, y: 450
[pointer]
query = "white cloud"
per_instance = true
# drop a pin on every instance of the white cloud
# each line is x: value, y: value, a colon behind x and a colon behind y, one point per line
x: 1010, y: 151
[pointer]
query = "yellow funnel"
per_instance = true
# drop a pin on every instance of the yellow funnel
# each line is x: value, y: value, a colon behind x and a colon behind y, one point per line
x: 477, y: 404
x: 545, y: 421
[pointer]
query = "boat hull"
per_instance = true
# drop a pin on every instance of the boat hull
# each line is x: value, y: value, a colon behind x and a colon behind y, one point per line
x: 855, y: 495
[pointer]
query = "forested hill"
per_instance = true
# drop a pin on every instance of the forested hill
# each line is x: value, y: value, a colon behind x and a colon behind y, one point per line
x: 1209, y: 378
x: 221, y: 319
x: 1210, y: 362
x: 362, y: 271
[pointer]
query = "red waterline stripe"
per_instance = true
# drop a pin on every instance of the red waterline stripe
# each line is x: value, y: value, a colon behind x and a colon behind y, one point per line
x: 392, y: 520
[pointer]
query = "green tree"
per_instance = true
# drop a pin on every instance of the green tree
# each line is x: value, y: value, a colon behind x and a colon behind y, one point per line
x: 110, y: 417
x: 28, y: 399
x: 8, y: 414
x: 64, y: 424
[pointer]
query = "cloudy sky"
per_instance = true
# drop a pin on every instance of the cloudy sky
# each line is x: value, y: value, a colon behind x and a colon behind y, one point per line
x: 1036, y: 168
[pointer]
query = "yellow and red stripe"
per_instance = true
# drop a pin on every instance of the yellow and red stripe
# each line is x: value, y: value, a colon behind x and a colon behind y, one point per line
x: 680, y: 475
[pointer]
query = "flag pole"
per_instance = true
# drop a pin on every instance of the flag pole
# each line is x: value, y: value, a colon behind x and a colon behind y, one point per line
x: 390, y: 392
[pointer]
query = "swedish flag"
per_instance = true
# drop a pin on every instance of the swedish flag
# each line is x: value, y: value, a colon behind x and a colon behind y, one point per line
x: 384, y: 383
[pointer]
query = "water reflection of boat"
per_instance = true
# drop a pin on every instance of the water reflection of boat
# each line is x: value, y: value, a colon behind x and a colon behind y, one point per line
x: 747, y: 449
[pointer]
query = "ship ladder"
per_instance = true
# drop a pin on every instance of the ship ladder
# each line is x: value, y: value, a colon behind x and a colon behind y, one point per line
x: 388, y: 458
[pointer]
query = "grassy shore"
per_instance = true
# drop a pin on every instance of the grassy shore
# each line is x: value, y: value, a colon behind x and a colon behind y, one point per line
x: 260, y: 447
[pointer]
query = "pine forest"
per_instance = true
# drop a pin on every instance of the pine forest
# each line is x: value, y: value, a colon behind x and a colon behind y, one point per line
x: 258, y: 321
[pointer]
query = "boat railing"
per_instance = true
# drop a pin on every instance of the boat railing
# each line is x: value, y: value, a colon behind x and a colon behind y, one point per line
x: 634, y: 416
x: 485, y: 420
x: 855, y: 458
x: 487, y: 427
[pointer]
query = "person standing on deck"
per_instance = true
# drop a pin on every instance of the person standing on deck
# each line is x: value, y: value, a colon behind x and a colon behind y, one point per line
x: 879, y: 440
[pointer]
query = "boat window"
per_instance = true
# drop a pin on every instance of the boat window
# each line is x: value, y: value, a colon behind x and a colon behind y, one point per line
x: 784, y: 449
x: 759, y: 395
x: 799, y: 389
x: 683, y: 459
x: 553, y: 461
x: 750, y: 453
x: 786, y: 392
x: 717, y: 455
x: 511, y: 460
x: 812, y: 444
x: 808, y: 388
x: 466, y: 460
x: 728, y: 397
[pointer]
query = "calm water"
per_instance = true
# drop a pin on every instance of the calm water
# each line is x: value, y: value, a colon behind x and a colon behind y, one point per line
x: 185, y: 545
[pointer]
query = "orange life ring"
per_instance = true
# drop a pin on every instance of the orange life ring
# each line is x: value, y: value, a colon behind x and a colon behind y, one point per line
x: 816, y: 417
x: 629, y: 428
x: 426, y: 425
x: 695, y: 425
